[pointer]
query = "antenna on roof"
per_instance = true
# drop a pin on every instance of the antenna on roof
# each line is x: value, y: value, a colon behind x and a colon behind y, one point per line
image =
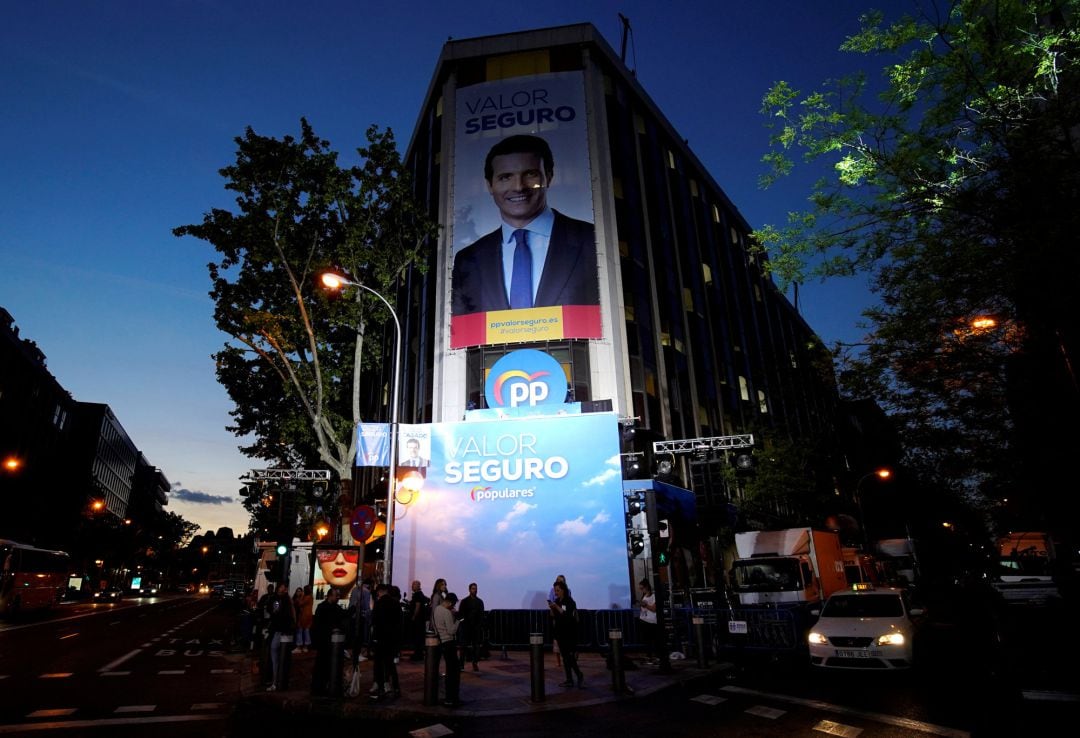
x: 627, y: 31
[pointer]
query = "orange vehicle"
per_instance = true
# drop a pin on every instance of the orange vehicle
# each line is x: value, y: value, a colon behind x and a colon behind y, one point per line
x: 30, y: 578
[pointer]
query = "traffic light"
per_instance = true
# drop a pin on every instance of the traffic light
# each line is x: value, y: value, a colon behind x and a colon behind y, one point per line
x: 661, y: 540
x: 637, y: 543
x: 282, y: 549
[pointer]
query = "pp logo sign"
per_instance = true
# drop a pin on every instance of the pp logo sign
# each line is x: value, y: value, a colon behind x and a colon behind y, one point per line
x: 525, y: 378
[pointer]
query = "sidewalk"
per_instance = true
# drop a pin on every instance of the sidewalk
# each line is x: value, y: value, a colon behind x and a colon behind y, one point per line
x: 502, y: 686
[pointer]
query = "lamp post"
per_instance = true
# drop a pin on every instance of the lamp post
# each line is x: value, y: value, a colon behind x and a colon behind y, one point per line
x: 881, y: 473
x: 336, y: 281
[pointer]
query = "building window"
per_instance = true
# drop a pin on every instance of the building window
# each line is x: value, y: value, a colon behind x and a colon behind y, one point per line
x: 763, y: 406
x: 687, y: 300
x: 757, y: 293
x: 715, y: 214
x: 616, y: 187
x: 694, y: 188
x: 518, y: 65
x: 671, y: 159
x: 706, y: 271
x: 744, y: 389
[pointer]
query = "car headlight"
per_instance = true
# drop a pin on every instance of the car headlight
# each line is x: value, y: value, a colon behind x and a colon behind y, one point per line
x: 891, y: 639
x: 817, y: 639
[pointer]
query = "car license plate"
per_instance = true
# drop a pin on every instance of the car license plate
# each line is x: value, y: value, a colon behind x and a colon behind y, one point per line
x: 848, y: 654
x: 737, y: 626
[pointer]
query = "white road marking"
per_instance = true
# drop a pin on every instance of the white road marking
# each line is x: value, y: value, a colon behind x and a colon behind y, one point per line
x: 56, y: 675
x: 766, y: 712
x: 431, y: 731
x: 839, y: 709
x: 113, y: 664
x: 80, y: 724
x: 58, y: 712
x: 135, y: 708
x: 207, y: 706
x: 172, y: 671
x: 115, y: 673
x: 69, y: 635
x: 844, y: 731
x: 223, y: 671
x: 1047, y: 696
x: 709, y: 699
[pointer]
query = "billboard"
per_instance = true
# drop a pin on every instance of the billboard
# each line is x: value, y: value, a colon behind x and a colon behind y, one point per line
x: 510, y: 504
x: 337, y: 566
x: 525, y: 266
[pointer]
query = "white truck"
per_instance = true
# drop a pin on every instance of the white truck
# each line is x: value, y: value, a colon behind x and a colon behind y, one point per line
x: 1025, y: 569
x: 790, y: 566
x: 900, y: 556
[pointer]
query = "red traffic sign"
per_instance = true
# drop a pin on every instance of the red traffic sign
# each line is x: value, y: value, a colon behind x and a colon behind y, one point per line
x: 362, y: 523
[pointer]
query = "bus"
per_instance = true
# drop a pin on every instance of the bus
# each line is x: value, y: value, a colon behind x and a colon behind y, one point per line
x: 30, y: 578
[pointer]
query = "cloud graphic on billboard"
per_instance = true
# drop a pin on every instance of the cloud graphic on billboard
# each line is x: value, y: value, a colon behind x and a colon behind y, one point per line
x: 519, y: 509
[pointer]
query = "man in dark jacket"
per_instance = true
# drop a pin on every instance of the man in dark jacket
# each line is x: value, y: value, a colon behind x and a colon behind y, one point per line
x: 387, y: 631
x: 329, y: 616
x: 471, y: 615
x: 282, y: 623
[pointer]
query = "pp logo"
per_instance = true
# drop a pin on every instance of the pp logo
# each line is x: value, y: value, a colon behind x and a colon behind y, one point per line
x: 525, y: 378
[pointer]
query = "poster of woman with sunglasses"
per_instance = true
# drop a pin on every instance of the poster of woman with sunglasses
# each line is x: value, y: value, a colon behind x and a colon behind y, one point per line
x: 338, y: 567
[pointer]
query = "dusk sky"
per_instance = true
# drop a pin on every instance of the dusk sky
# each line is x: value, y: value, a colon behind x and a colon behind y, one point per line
x: 118, y: 114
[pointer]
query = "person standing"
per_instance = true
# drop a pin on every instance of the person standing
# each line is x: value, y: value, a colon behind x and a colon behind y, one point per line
x: 471, y: 619
x: 437, y: 593
x: 329, y: 616
x: 282, y: 623
x: 419, y: 616
x: 386, y: 632
x: 360, y: 611
x: 304, y: 615
x: 559, y: 578
x: 564, y: 610
x: 446, y: 627
x: 647, y: 619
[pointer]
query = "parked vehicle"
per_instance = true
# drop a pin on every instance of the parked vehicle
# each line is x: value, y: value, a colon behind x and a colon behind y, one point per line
x: 865, y: 628
x: 30, y: 577
x: 109, y: 594
x: 900, y: 555
x: 1025, y: 569
x: 778, y: 577
x: 794, y: 565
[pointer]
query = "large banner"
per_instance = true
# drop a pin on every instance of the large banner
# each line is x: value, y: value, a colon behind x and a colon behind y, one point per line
x: 510, y: 504
x: 523, y: 238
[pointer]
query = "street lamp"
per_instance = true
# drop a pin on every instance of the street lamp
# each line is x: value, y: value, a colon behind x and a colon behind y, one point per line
x: 336, y: 282
x: 882, y: 473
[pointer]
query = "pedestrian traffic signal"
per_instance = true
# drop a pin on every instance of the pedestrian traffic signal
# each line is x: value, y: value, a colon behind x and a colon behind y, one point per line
x: 282, y: 549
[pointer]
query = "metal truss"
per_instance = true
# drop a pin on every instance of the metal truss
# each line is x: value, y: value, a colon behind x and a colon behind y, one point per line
x: 297, y: 474
x: 694, y: 445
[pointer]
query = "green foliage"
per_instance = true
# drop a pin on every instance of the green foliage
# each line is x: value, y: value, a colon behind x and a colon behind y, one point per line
x: 295, y: 366
x: 956, y: 185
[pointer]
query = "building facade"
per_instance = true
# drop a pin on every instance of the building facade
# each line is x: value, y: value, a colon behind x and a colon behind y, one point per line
x: 670, y: 316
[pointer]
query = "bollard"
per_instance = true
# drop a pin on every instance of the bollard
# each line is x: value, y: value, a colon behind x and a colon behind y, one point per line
x: 284, y: 660
x: 699, y: 636
x: 536, y: 666
x: 337, y: 657
x: 431, y: 669
x: 618, y: 677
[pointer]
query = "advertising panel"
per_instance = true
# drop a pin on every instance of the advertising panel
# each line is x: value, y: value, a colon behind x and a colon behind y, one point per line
x: 373, y: 444
x: 510, y: 504
x: 337, y: 566
x: 525, y: 266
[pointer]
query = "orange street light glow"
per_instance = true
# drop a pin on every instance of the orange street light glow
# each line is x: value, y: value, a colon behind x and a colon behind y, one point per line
x: 12, y: 463
x: 332, y: 281
x: 983, y: 323
x: 884, y: 473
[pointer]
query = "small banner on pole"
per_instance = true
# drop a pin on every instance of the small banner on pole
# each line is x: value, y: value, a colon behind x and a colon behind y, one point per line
x: 373, y: 444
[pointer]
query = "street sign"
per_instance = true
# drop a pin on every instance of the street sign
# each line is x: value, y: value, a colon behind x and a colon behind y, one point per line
x: 362, y: 523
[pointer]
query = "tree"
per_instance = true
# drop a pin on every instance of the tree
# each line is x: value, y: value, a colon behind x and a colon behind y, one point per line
x: 956, y: 187
x: 296, y: 366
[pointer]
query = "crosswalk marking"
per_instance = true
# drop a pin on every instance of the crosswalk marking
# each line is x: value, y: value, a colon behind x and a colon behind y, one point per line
x: 834, y: 728
x: 134, y: 708
x: 171, y: 671
x: 709, y: 699
x: 115, y: 673
x: 766, y: 712
x: 56, y: 712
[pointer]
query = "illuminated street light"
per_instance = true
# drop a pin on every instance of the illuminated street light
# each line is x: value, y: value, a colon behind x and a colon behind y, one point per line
x: 983, y: 323
x: 336, y: 282
x: 12, y: 464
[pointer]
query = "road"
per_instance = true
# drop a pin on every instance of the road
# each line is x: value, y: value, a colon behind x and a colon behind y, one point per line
x: 162, y: 667
x: 155, y: 664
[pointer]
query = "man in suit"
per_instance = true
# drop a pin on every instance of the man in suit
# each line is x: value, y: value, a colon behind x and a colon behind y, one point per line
x: 538, y: 257
x: 412, y: 447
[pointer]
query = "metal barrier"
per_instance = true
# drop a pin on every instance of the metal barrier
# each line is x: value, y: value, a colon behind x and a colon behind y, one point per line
x: 513, y: 629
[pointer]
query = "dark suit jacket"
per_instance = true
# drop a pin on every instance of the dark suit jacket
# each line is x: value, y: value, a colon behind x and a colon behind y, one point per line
x: 569, y: 277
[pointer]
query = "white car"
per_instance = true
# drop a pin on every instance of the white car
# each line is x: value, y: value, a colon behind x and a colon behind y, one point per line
x: 865, y: 628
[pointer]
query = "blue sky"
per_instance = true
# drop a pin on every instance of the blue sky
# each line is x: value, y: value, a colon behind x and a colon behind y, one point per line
x: 117, y: 116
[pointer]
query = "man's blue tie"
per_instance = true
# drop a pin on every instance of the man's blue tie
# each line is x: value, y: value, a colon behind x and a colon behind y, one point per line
x: 521, y: 278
